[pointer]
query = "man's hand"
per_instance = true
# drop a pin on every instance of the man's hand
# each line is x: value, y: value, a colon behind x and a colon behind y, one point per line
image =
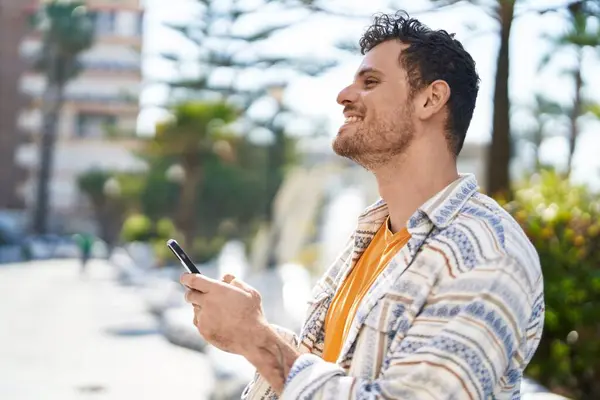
x: 227, y: 313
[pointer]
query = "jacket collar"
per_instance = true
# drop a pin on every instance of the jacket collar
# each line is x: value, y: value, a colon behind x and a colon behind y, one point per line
x: 439, y: 210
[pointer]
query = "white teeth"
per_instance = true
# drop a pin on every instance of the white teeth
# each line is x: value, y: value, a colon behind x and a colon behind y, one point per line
x: 352, y: 119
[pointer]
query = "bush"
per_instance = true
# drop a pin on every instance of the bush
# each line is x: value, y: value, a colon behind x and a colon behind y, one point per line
x: 165, y: 229
x: 137, y: 227
x: 563, y: 223
x: 206, y: 249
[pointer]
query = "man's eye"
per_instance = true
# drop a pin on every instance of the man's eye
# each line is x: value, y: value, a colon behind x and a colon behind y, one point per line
x: 370, y: 82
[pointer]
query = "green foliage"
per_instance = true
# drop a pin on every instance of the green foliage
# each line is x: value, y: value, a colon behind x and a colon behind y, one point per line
x: 206, y: 249
x: 137, y: 227
x: 225, y: 185
x: 233, y: 49
x: 163, y: 230
x: 563, y: 223
x: 68, y: 30
x: 234, y: 191
x: 92, y: 183
x: 131, y: 185
x: 158, y: 197
x: 225, y: 178
x: 193, y: 128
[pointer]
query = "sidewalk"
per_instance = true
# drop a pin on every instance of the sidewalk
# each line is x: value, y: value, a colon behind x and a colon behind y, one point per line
x: 66, y: 337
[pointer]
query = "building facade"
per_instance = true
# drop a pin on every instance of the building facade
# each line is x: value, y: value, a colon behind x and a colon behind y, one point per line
x: 101, y: 101
x: 13, y: 17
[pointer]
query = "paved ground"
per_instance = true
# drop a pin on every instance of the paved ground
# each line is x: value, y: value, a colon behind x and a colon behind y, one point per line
x: 64, y: 337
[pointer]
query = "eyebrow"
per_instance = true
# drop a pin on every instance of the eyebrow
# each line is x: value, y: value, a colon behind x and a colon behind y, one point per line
x: 368, y: 70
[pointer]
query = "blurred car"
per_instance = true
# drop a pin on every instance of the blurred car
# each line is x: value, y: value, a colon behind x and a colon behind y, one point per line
x: 11, y: 249
x: 41, y: 247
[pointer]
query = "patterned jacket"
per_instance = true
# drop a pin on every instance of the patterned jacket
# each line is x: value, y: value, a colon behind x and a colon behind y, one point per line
x: 457, y: 314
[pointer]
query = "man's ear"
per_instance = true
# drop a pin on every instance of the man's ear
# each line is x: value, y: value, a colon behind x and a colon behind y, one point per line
x: 432, y: 99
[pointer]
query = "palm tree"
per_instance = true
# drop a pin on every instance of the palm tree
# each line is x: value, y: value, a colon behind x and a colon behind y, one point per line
x: 112, y: 195
x: 68, y: 30
x: 93, y: 183
x: 192, y: 136
x: 580, y: 34
x: 544, y: 111
x: 498, y: 163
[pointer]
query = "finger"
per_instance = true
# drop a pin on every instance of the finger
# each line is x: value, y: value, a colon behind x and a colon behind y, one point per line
x: 198, y: 282
x: 241, y: 285
x: 196, y: 312
x: 194, y: 297
x: 227, y: 278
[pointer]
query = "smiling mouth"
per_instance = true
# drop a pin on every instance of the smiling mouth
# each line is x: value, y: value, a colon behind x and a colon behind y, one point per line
x: 353, y: 119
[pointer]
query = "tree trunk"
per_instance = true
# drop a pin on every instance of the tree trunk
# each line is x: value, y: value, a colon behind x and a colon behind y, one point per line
x: 109, y: 215
x: 575, y: 113
x: 52, y: 104
x: 498, y: 166
x: 275, y: 165
x: 187, y: 203
x: 537, y: 143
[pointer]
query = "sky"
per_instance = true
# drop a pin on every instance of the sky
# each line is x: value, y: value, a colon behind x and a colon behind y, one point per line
x: 315, y: 97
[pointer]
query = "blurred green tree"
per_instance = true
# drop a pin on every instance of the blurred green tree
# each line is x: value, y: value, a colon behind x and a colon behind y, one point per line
x: 195, y: 134
x: 543, y: 111
x: 583, y: 32
x: 498, y: 160
x: 137, y: 228
x: 230, y: 200
x: 105, y: 195
x: 68, y: 30
x: 504, y: 12
x: 563, y: 223
x: 230, y: 63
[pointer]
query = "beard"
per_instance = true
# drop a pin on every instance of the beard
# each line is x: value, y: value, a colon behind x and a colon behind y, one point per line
x: 374, y: 144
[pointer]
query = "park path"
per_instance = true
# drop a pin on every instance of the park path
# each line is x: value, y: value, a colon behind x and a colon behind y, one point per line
x: 66, y: 337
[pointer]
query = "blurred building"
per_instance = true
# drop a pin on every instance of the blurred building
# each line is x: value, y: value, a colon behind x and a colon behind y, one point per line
x: 101, y: 102
x: 13, y: 18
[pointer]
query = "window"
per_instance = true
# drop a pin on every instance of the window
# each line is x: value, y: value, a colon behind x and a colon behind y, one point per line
x: 131, y: 23
x: 105, y: 22
x: 140, y: 24
x: 94, y: 125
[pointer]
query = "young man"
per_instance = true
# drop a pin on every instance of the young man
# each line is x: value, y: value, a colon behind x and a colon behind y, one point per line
x: 439, y: 293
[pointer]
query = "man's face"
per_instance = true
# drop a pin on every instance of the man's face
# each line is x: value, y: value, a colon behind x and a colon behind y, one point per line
x: 377, y: 105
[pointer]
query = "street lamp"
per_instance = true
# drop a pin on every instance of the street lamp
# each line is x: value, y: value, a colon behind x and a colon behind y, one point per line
x: 112, y: 188
x: 175, y: 174
x: 223, y: 149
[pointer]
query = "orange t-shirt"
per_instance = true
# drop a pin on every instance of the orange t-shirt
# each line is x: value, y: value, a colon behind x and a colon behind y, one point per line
x: 384, y: 246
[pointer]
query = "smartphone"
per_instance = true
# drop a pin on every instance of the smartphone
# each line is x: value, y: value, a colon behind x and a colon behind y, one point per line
x: 183, y: 257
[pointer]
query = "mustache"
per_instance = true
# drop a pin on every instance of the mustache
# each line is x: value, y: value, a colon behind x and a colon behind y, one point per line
x: 350, y: 108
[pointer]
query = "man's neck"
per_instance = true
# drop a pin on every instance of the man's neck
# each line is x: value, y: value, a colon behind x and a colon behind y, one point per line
x: 408, y: 181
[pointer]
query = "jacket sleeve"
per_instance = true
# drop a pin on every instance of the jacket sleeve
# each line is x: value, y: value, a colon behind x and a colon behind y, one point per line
x: 259, y: 388
x: 473, y: 330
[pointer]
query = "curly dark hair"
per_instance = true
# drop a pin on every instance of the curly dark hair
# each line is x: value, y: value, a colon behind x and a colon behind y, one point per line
x: 431, y: 55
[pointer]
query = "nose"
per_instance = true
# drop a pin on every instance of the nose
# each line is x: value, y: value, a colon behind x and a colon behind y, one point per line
x: 347, y: 95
